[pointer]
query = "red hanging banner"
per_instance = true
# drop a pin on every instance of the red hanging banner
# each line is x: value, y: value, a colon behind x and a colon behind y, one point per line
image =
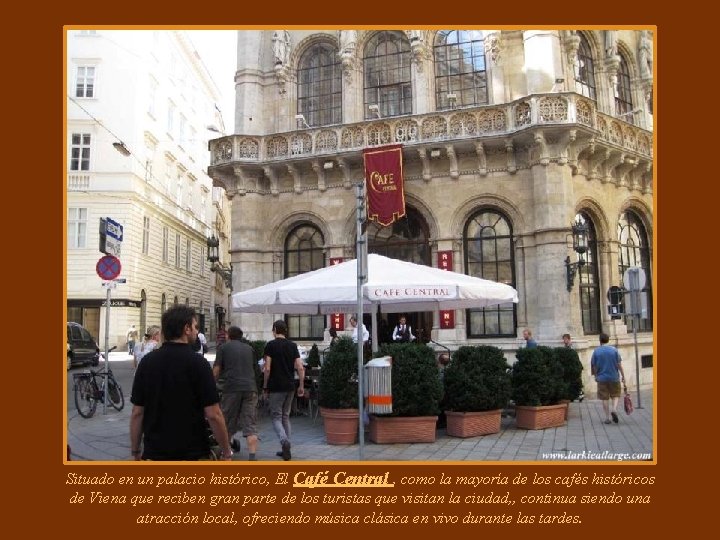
x: 337, y: 320
x: 384, y: 184
x: 447, y: 316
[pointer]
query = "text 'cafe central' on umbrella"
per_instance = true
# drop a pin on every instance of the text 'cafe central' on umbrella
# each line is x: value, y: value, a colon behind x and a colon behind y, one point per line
x: 507, y: 139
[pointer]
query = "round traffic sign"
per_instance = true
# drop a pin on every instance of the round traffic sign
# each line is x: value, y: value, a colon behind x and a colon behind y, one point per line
x: 108, y: 267
x: 634, y: 278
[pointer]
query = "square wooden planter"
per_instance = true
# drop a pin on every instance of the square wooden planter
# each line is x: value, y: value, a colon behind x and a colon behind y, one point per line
x: 395, y: 429
x: 544, y: 417
x: 473, y: 424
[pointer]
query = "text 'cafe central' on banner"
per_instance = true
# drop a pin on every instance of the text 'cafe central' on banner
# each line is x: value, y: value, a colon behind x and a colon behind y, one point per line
x: 505, y: 140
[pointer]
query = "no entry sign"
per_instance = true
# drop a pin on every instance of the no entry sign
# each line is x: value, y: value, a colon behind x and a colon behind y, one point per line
x: 108, y: 267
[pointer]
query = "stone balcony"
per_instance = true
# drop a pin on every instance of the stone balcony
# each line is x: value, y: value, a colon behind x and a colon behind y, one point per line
x: 559, y: 127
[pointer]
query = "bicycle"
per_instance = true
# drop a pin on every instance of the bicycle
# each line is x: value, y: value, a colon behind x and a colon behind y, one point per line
x: 89, y: 391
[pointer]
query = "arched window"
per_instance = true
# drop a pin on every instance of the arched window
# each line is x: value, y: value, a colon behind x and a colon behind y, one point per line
x: 175, y: 301
x: 387, y: 75
x: 635, y: 251
x: 143, y: 311
x: 163, y: 304
x: 304, y: 251
x: 589, y: 286
x: 584, y: 69
x: 460, y: 68
x: 623, y: 97
x: 489, y: 254
x: 320, y: 85
x: 407, y: 239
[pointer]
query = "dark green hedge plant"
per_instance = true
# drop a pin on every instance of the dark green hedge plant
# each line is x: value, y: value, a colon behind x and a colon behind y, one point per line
x: 572, y: 372
x: 416, y: 386
x: 477, y: 379
x: 338, y: 376
x: 537, y: 377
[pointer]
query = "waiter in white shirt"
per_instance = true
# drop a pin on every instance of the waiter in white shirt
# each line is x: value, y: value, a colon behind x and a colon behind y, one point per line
x: 402, y: 332
x: 365, y: 333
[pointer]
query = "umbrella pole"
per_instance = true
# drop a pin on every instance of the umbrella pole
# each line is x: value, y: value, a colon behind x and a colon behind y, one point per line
x: 360, y: 206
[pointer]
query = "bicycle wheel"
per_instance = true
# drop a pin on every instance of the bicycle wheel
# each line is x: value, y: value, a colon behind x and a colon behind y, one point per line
x: 115, y: 394
x: 85, y: 397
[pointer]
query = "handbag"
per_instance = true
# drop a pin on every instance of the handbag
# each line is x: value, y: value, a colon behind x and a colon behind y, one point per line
x: 628, y: 403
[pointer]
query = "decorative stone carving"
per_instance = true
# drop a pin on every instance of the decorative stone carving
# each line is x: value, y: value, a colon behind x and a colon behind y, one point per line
x: 572, y: 44
x: 427, y: 176
x: 326, y: 141
x: 463, y: 124
x: 454, y: 174
x: 320, y: 172
x: 553, y: 109
x: 248, y: 149
x: 345, y: 168
x: 348, y: 43
x: 281, y: 46
x: 522, y: 114
x: 240, y: 181
x: 434, y: 127
x: 645, y: 54
x: 510, y: 151
x: 420, y: 50
x: 615, y: 133
x: 611, y: 50
x: 295, y: 176
x: 352, y: 137
x: 584, y: 112
x: 223, y: 152
x: 493, y: 47
x: 300, y: 144
x: 482, y: 160
x: 541, y: 148
x: 406, y: 131
x: 272, y: 176
x: 378, y: 134
x: 277, y: 147
x: 492, y: 121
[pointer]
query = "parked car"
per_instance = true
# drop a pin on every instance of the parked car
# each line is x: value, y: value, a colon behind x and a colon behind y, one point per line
x: 81, y: 347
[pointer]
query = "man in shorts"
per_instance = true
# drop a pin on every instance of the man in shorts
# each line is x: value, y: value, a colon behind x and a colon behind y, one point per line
x: 234, y: 367
x: 606, y: 366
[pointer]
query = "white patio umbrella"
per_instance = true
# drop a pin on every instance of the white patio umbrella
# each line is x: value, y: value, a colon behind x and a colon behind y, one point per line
x: 397, y: 286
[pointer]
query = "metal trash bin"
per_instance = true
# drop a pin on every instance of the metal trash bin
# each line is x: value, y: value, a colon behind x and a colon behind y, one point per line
x: 378, y: 385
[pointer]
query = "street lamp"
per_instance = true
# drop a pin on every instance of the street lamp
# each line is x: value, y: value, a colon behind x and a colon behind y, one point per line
x: 580, y: 245
x: 213, y: 256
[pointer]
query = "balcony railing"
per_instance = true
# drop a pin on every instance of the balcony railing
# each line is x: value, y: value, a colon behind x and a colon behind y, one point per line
x: 499, y: 121
x: 78, y: 182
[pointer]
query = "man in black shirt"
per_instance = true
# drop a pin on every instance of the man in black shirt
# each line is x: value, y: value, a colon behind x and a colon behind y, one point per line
x: 282, y: 359
x: 173, y: 394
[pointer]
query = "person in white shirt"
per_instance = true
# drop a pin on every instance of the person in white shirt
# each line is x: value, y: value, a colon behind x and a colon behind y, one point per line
x: 151, y: 341
x: 365, y: 333
x: 403, y: 332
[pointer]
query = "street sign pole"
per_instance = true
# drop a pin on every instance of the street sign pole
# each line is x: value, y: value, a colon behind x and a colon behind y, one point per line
x: 635, y: 287
x: 107, y: 344
x: 361, y: 269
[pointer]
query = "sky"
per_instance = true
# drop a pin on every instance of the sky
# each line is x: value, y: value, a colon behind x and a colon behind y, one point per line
x: 218, y: 51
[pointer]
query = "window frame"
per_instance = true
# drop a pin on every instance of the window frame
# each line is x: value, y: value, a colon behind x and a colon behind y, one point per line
x: 442, y: 52
x: 500, y: 310
x: 640, y: 253
x: 589, y: 281
x: 77, y: 227
x: 82, y: 161
x: 316, y: 323
x: 397, y: 92
x: 320, y: 108
x: 85, y: 78
x: 585, y: 86
x: 146, y: 235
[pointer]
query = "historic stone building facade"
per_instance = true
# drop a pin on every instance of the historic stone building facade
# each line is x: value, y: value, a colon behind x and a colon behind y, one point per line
x: 509, y: 137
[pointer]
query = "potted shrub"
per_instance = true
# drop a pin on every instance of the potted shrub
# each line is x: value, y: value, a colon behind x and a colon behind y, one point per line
x: 338, y: 394
x: 477, y: 388
x: 416, y: 393
x: 537, y: 383
x: 572, y: 374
